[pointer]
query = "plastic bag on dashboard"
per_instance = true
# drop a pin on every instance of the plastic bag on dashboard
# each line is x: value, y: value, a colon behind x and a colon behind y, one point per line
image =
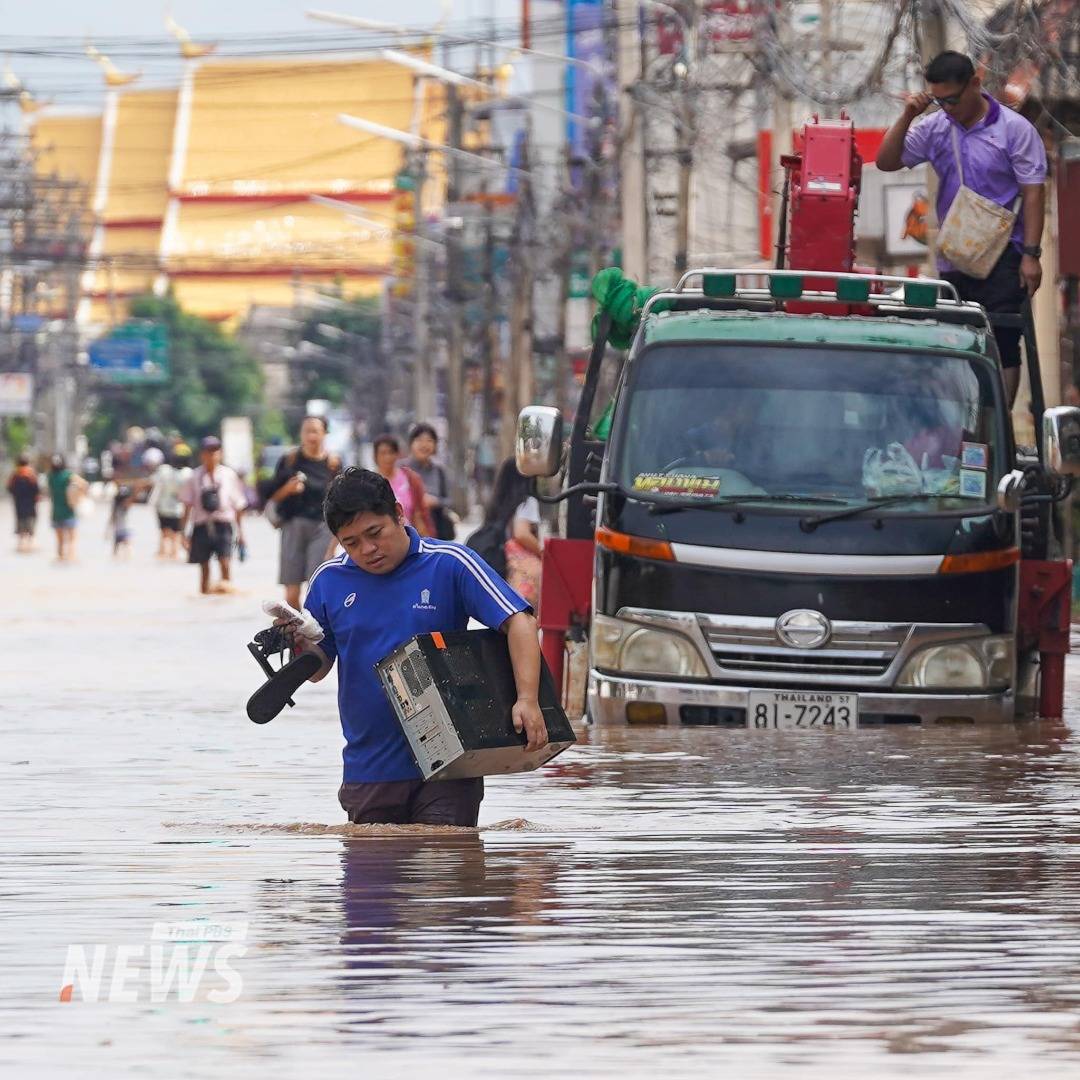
x: 891, y: 471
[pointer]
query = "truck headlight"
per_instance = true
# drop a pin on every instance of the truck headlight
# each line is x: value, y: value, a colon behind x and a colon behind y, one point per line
x: 640, y: 650
x: 977, y: 664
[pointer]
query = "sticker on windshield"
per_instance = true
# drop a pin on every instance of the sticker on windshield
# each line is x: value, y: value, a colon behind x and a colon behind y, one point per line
x: 973, y: 455
x: 685, y: 484
x: 972, y: 484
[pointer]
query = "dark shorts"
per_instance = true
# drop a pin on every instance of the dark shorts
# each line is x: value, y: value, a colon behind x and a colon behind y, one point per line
x: 216, y: 538
x: 1001, y: 293
x: 168, y: 522
x: 25, y: 525
x: 413, y: 802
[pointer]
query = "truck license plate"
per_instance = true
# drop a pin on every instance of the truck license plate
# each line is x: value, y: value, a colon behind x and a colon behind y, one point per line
x: 802, y: 709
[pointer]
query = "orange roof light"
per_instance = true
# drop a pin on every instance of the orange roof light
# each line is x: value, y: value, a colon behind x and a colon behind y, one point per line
x: 980, y: 562
x: 625, y: 544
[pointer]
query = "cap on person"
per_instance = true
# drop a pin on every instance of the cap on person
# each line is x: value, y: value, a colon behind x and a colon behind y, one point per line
x: 211, y: 442
x: 152, y: 457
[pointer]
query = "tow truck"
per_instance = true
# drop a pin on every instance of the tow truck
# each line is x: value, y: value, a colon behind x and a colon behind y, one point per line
x: 803, y: 506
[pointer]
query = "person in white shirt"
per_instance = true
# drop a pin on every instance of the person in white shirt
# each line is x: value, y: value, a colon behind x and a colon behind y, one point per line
x: 213, y: 500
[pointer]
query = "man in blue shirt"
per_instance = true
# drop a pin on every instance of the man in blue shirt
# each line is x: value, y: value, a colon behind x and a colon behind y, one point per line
x: 389, y: 585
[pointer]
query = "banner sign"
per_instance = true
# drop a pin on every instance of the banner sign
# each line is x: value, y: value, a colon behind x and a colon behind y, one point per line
x: 725, y: 21
x: 136, y: 352
x: 589, y: 91
x: 16, y: 393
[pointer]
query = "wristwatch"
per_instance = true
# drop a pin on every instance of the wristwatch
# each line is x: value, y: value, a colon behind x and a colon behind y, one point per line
x: 1033, y: 250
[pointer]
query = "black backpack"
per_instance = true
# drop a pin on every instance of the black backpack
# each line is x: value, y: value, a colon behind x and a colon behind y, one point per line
x: 489, y: 543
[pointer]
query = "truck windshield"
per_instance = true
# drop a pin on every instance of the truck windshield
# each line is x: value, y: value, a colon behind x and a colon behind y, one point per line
x: 704, y: 422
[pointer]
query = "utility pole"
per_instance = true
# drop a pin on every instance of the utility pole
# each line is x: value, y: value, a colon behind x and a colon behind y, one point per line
x: 456, y: 420
x: 686, y: 131
x: 423, y: 371
x: 783, y: 124
x: 635, y: 229
x: 932, y: 36
x: 519, y: 369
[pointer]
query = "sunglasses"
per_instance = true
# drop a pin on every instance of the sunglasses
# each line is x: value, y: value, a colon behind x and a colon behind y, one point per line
x: 952, y: 99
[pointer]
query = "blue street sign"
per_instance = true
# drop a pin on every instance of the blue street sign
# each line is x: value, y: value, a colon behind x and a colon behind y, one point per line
x: 27, y: 324
x: 136, y: 352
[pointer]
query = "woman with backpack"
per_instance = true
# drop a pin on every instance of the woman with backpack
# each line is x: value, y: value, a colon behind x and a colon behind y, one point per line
x: 298, y: 489
x: 509, y: 539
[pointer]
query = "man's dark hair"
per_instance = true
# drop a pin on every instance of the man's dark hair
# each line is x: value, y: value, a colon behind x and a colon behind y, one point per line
x: 315, y: 416
x: 386, y: 440
x: 357, y: 491
x: 422, y: 429
x: 950, y: 67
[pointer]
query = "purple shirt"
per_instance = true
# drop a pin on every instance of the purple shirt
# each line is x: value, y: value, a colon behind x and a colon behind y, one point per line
x: 1001, y: 152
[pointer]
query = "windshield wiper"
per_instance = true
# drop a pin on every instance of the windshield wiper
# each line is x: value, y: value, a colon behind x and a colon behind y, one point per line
x: 809, y: 524
x: 671, y: 506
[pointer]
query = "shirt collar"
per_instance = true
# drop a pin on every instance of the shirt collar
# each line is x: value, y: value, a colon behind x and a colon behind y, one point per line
x: 992, y: 113
x: 414, y: 540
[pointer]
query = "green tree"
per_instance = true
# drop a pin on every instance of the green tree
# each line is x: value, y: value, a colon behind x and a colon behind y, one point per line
x: 211, y: 376
x: 343, y: 367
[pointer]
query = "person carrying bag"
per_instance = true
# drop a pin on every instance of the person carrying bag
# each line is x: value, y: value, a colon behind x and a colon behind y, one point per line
x: 976, y: 229
x: 991, y: 168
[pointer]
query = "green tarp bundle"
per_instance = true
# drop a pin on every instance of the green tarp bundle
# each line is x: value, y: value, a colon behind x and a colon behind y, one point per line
x: 623, y: 300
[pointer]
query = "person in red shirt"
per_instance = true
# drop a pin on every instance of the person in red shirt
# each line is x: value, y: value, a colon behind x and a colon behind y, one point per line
x: 25, y: 492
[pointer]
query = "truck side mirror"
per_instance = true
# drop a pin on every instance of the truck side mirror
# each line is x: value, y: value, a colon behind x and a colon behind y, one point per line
x: 1009, y: 490
x: 538, y: 450
x: 1061, y: 440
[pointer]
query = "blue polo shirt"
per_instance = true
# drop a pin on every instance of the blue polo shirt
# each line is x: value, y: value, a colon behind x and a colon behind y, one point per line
x: 439, y: 586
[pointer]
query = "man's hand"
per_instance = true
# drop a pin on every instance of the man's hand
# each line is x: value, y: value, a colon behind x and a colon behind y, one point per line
x: 528, y: 717
x: 917, y: 104
x: 1030, y: 274
x: 293, y: 486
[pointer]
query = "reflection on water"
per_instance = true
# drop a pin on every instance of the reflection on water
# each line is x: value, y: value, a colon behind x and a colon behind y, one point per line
x: 681, y: 903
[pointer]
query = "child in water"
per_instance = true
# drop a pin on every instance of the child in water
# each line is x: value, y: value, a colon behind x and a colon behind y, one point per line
x: 118, y: 522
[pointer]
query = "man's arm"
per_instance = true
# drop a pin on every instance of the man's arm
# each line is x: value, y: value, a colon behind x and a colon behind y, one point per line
x: 890, y: 156
x: 1033, y: 202
x: 327, y: 663
x: 520, y: 631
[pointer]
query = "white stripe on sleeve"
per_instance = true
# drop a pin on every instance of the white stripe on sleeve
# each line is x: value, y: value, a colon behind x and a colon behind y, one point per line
x: 474, y: 567
x: 337, y: 560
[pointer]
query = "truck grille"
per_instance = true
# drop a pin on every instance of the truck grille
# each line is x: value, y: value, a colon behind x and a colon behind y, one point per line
x: 750, y: 647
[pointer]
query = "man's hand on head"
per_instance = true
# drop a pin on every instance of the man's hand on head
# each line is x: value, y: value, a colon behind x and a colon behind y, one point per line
x: 917, y: 104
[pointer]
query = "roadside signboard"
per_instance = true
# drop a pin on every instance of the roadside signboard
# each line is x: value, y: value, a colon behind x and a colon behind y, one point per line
x: 136, y: 352
x: 16, y: 393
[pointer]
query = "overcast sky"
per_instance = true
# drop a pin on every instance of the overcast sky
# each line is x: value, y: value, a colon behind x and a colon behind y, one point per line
x: 71, y: 80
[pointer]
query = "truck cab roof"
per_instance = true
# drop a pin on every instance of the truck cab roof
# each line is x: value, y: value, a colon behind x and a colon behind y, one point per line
x: 776, y: 327
x: 804, y: 307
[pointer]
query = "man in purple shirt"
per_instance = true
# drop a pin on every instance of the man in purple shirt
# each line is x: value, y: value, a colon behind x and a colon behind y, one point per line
x: 1003, y: 157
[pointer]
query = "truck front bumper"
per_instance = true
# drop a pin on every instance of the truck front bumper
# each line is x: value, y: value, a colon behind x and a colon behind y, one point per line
x: 709, y: 704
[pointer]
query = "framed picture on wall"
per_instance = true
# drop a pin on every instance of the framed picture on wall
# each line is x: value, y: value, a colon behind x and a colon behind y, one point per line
x: 908, y: 219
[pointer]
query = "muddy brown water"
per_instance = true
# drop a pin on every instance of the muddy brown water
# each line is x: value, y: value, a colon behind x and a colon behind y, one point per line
x: 676, y: 903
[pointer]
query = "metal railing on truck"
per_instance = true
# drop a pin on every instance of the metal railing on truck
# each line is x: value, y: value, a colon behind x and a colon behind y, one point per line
x: 905, y: 296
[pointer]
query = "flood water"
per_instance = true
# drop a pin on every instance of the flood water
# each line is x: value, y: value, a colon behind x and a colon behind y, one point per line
x: 676, y: 903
